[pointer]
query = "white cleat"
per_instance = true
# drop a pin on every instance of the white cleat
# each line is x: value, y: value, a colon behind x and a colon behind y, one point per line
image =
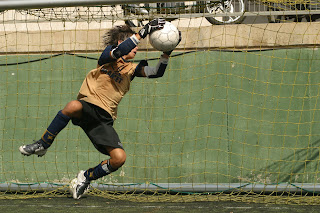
x: 79, y: 186
x: 35, y: 148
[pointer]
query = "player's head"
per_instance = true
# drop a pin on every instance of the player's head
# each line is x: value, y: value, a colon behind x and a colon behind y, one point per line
x: 116, y: 34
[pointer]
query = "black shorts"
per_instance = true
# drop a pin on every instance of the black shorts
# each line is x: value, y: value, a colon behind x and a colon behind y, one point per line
x: 98, y: 125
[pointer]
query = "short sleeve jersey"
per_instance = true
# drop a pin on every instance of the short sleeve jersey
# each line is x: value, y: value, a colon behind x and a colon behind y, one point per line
x: 106, y: 85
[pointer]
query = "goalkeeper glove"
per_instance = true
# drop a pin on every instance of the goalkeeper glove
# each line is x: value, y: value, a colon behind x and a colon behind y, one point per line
x: 155, y: 24
x: 169, y: 52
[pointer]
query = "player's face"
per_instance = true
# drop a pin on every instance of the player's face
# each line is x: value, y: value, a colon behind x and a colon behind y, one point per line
x: 132, y: 54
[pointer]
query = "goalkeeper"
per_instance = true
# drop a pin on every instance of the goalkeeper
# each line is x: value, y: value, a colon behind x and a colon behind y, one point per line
x: 96, y: 106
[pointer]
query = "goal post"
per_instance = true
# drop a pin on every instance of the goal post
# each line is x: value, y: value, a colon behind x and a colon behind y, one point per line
x: 235, y: 117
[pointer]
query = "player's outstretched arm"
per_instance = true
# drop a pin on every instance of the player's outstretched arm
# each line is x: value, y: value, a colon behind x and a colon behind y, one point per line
x: 143, y: 70
x: 112, y: 53
x: 126, y: 46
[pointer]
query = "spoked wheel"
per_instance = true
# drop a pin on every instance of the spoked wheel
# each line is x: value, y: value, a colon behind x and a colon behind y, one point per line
x: 226, y: 7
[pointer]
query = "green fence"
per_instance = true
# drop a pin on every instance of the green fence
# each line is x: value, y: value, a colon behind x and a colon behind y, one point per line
x: 215, y: 117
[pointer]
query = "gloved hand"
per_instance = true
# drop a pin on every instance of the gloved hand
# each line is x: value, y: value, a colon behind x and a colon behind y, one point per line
x: 141, y: 64
x: 155, y: 24
x: 169, y: 52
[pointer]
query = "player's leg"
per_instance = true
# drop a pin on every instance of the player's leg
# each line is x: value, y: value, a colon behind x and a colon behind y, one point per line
x: 72, y: 110
x: 117, y: 159
x: 81, y: 184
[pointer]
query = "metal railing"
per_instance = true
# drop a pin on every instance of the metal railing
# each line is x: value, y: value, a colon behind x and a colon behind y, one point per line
x: 219, y: 11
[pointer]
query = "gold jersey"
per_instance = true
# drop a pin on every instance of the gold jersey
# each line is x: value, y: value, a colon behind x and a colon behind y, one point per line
x: 106, y: 85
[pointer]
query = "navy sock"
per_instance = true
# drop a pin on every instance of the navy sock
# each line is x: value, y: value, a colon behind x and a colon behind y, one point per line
x: 57, y: 124
x: 99, y: 171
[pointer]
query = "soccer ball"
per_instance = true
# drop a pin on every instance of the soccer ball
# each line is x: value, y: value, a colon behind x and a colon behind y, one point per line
x: 165, y: 39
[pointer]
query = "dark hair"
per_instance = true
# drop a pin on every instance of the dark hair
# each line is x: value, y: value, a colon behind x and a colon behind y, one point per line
x: 117, y: 33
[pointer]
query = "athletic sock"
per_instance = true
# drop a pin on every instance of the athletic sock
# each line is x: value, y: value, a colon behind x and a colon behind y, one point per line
x: 99, y: 171
x: 57, y: 124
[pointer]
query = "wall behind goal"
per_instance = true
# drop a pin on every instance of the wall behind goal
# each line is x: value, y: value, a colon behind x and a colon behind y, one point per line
x: 215, y: 117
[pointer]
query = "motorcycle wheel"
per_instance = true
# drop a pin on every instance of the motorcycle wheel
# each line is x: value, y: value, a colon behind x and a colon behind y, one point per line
x: 225, y: 6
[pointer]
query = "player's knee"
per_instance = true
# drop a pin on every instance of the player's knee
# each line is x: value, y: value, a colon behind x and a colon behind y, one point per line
x: 72, y: 109
x: 118, y: 159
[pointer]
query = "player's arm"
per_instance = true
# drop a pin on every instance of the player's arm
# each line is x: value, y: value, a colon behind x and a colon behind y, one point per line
x: 144, y: 70
x: 112, y: 53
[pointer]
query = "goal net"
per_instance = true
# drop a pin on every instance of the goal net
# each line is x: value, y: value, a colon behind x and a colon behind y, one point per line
x: 235, y: 117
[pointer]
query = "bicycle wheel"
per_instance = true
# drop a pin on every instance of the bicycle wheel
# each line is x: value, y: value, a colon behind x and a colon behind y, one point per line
x: 226, y: 7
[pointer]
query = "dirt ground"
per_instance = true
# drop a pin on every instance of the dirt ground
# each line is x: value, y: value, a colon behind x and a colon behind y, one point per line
x: 98, y: 204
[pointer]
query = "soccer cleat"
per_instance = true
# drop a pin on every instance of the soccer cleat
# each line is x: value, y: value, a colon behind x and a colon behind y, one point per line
x: 34, y: 148
x: 79, y: 186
